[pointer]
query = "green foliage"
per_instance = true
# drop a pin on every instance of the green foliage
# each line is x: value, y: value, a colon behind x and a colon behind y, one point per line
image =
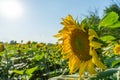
x: 107, y: 38
x: 29, y: 61
x: 18, y: 71
x: 112, y: 8
x: 110, y: 21
x: 31, y: 70
x: 38, y: 57
x: 92, y: 20
x: 116, y: 62
x: 115, y: 25
x: 105, y: 74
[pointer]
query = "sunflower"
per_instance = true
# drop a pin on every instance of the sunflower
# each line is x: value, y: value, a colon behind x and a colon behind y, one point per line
x: 117, y: 49
x: 37, y: 45
x: 28, y: 43
x: 79, y: 47
x: 1, y: 47
x: 19, y: 45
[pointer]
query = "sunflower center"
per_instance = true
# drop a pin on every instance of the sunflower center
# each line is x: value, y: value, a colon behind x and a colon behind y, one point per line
x: 80, y: 44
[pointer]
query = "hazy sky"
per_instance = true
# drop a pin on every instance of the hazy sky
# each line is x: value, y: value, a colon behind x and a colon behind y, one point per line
x: 39, y: 20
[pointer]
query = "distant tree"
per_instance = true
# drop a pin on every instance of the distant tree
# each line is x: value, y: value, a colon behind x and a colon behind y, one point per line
x: 34, y: 42
x: 13, y: 42
x: 113, y: 7
x: 92, y: 20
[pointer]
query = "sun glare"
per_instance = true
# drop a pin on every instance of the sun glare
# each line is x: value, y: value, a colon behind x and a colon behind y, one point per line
x: 11, y: 9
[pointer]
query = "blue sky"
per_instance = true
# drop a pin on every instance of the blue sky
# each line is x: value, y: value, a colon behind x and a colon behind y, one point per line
x: 39, y: 20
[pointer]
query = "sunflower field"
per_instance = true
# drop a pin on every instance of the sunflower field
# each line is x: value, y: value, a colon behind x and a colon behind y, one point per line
x: 30, y: 61
x: 83, y: 52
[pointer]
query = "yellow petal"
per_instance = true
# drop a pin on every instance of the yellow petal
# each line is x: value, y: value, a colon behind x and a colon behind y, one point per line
x: 82, y: 27
x: 116, y: 49
x: 65, y: 21
x: 96, y: 45
x: 75, y: 65
x: 90, y: 38
x: 71, y: 20
x: 98, y: 63
x: 83, y: 67
x: 59, y: 40
x: 71, y: 62
x: 66, y: 50
x: 91, y: 32
x: 57, y: 35
x: 93, y: 52
x: 66, y: 55
x: 90, y: 68
x: 95, y: 59
x: 68, y: 20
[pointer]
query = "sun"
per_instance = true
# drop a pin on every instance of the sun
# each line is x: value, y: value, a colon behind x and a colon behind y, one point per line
x: 11, y: 9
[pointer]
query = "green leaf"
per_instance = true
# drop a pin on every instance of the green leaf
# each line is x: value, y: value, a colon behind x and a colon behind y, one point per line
x: 109, y: 61
x: 1, y: 54
x: 115, y: 62
x: 18, y: 71
x: 110, y: 20
x: 38, y: 57
x: 115, y: 25
x: 106, y: 73
x: 107, y: 38
x: 31, y: 70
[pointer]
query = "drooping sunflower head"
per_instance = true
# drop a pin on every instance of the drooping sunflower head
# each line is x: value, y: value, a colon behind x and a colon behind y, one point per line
x: 28, y: 42
x: 1, y: 47
x: 78, y: 46
x: 37, y: 45
x: 19, y: 45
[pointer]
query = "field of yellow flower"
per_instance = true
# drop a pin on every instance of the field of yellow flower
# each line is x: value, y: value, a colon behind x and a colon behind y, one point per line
x: 30, y: 61
x: 91, y: 53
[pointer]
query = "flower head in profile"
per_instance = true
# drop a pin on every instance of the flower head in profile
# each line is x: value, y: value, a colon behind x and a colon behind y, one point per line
x: 117, y: 49
x: 1, y: 47
x: 38, y: 45
x: 28, y: 43
x: 19, y: 45
x: 79, y: 47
